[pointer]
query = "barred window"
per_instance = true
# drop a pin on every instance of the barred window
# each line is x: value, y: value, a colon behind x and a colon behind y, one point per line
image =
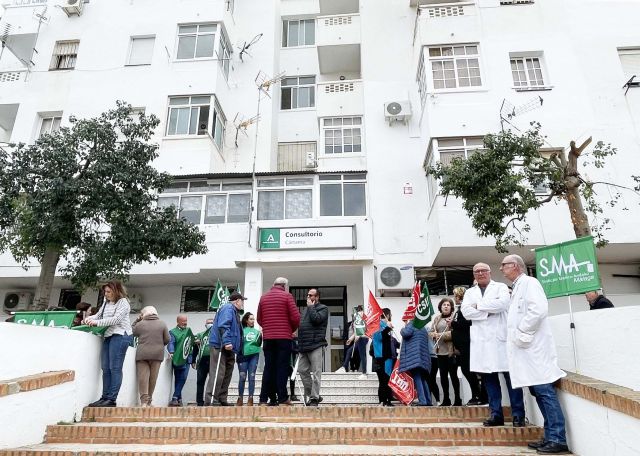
x: 64, y: 56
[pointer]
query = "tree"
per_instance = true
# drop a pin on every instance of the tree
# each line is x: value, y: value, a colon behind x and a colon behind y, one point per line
x: 87, y: 194
x: 498, y: 185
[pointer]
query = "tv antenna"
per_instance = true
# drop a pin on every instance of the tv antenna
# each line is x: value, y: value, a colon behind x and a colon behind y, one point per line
x: 508, y: 111
x: 241, y: 124
x: 244, y: 49
x: 4, y: 36
x: 264, y: 83
x: 631, y: 83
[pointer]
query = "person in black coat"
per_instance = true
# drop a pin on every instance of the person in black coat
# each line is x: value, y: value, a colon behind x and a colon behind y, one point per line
x: 384, y: 350
x: 597, y: 301
x: 460, y: 335
x: 311, y: 342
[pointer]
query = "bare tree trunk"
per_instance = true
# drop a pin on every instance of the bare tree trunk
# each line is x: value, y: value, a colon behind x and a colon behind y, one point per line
x: 573, y: 182
x: 48, y: 266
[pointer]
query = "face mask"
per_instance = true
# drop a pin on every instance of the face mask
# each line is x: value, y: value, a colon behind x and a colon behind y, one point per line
x: 208, y: 325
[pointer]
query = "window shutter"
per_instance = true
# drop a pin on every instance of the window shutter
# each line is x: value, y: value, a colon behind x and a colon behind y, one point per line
x: 141, y: 51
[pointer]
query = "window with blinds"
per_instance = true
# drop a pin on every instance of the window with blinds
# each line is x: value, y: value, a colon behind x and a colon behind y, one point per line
x: 630, y: 60
x: 64, y: 56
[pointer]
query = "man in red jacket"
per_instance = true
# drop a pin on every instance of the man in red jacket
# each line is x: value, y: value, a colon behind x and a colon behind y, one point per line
x: 279, y: 318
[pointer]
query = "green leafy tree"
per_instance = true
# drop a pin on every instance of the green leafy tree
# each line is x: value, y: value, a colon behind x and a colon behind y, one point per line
x: 498, y: 185
x: 87, y: 194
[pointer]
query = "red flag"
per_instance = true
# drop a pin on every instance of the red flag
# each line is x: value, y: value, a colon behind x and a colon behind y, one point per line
x: 402, y: 386
x: 372, y: 314
x: 415, y: 295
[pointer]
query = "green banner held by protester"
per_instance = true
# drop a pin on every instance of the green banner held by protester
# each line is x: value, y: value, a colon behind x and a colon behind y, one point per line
x: 568, y: 268
x: 203, y: 350
x: 359, y: 325
x: 184, y: 344
x: 220, y: 296
x: 61, y: 319
x: 96, y: 330
x: 424, y: 312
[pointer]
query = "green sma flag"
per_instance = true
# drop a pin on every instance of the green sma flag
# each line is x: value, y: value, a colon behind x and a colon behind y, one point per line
x: 568, y: 268
x: 183, y: 346
x: 424, y: 312
x: 220, y: 296
x: 203, y: 350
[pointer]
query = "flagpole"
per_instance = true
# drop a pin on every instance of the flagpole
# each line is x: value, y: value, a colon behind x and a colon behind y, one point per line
x: 572, y: 325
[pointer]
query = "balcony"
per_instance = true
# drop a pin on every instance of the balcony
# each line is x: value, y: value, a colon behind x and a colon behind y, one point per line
x: 338, y: 43
x: 340, y: 98
x: 437, y: 21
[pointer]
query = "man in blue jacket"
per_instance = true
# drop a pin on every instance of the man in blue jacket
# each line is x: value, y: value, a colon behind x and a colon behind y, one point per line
x: 225, y: 340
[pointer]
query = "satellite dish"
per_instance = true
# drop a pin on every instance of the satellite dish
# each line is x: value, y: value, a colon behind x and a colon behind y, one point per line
x: 394, y: 108
x: 11, y: 301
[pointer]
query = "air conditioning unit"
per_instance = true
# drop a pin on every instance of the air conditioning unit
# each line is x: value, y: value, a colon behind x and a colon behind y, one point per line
x: 310, y: 159
x: 397, y: 111
x: 135, y: 301
x: 72, y: 7
x: 17, y: 300
x: 394, y: 277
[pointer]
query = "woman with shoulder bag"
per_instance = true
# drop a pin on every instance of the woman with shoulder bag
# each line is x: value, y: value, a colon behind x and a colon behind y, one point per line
x: 117, y: 338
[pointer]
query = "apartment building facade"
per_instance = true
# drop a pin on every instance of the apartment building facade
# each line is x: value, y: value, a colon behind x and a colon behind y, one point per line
x: 297, y: 131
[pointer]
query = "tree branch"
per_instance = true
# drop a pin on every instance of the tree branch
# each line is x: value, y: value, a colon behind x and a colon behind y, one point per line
x: 556, y: 161
x: 577, y: 151
x: 548, y: 198
x: 614, y: 185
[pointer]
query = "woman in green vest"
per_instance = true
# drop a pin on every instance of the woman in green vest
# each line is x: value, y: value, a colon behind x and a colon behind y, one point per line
x: 248, y: 359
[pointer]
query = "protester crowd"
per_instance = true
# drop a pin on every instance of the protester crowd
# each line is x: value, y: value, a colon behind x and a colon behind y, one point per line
x: 488, y: 331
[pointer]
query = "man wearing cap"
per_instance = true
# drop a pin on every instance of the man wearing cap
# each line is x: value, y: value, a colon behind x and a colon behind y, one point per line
x: 279, y: 318
x: 225, y: 340
x: 311, y: 342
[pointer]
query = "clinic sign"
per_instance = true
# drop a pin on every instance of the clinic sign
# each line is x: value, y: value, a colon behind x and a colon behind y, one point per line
x: 304, y: 238
x: 568, y: 268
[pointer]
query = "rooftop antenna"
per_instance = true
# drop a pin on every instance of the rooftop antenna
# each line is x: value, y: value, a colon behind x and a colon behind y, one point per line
x: 264, y: 84
x: 6, y: 30
x: 242, y: 124
x: 244, y: 49
x: 508, y: 111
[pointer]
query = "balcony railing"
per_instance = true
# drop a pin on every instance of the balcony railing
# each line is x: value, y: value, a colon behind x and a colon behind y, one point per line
x: 447, y: 10
x: 12, y: 76
x: 338, y: 29
x: 337, y: 98
x: 25, y: 3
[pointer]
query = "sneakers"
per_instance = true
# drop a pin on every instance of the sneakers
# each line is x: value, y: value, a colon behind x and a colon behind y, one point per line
x: 362, y: 377
x: 313, y: 402
x: 474, y: 401
x: 342, y: 370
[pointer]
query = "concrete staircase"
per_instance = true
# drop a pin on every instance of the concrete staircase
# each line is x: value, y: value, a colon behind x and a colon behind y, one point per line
x: 293, y: 430
x: 346, y: 388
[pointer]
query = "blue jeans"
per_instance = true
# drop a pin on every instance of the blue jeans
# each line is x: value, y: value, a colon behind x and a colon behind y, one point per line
x: 554, y: 430
x: 180, y: 374
x: 492, y: 382
x: 420, y: 376
x: 114, y: 350
x: 248, y: 366
x: 361, y: 346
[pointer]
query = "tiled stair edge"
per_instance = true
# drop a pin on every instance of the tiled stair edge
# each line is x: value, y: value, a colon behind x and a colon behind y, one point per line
x: 35, y: 382
x: 618, y: 398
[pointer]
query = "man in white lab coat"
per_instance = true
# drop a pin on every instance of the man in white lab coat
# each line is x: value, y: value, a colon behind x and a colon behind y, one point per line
x: 486, y: 305
x: 532, y: 352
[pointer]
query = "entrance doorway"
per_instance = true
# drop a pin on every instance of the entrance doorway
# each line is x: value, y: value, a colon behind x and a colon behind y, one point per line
x: 335, y: 298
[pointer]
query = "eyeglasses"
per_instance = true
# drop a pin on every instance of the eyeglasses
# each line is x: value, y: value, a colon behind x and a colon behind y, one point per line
x: 481, y: 271
x: 502, y: 265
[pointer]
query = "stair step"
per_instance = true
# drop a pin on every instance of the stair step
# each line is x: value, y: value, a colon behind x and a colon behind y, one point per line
x: 74, y: 449
x: 342, y: 399
x: 316, y: 433
x: 356, y: 413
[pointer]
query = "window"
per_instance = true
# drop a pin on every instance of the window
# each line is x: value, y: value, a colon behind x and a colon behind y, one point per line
x: 299, y: 33
x: 224, y: 55
x: 141, y: 50
x: 196, y: 41
x: 64, y: 56
x: 630, y: 61
x: 342, y: 195
x: 527, y: 71
x: 298, y: 92
x: 197, y: 299
x: 455, y: 66
x: 342, y: 135
x: 285, y: 198
x: 450, y: 148
x: 442, y: 280
x: 219, y: 122
x: 203, y: 202
x: 189, y: 115
x: 432, y: 185
x: 49, y: 124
